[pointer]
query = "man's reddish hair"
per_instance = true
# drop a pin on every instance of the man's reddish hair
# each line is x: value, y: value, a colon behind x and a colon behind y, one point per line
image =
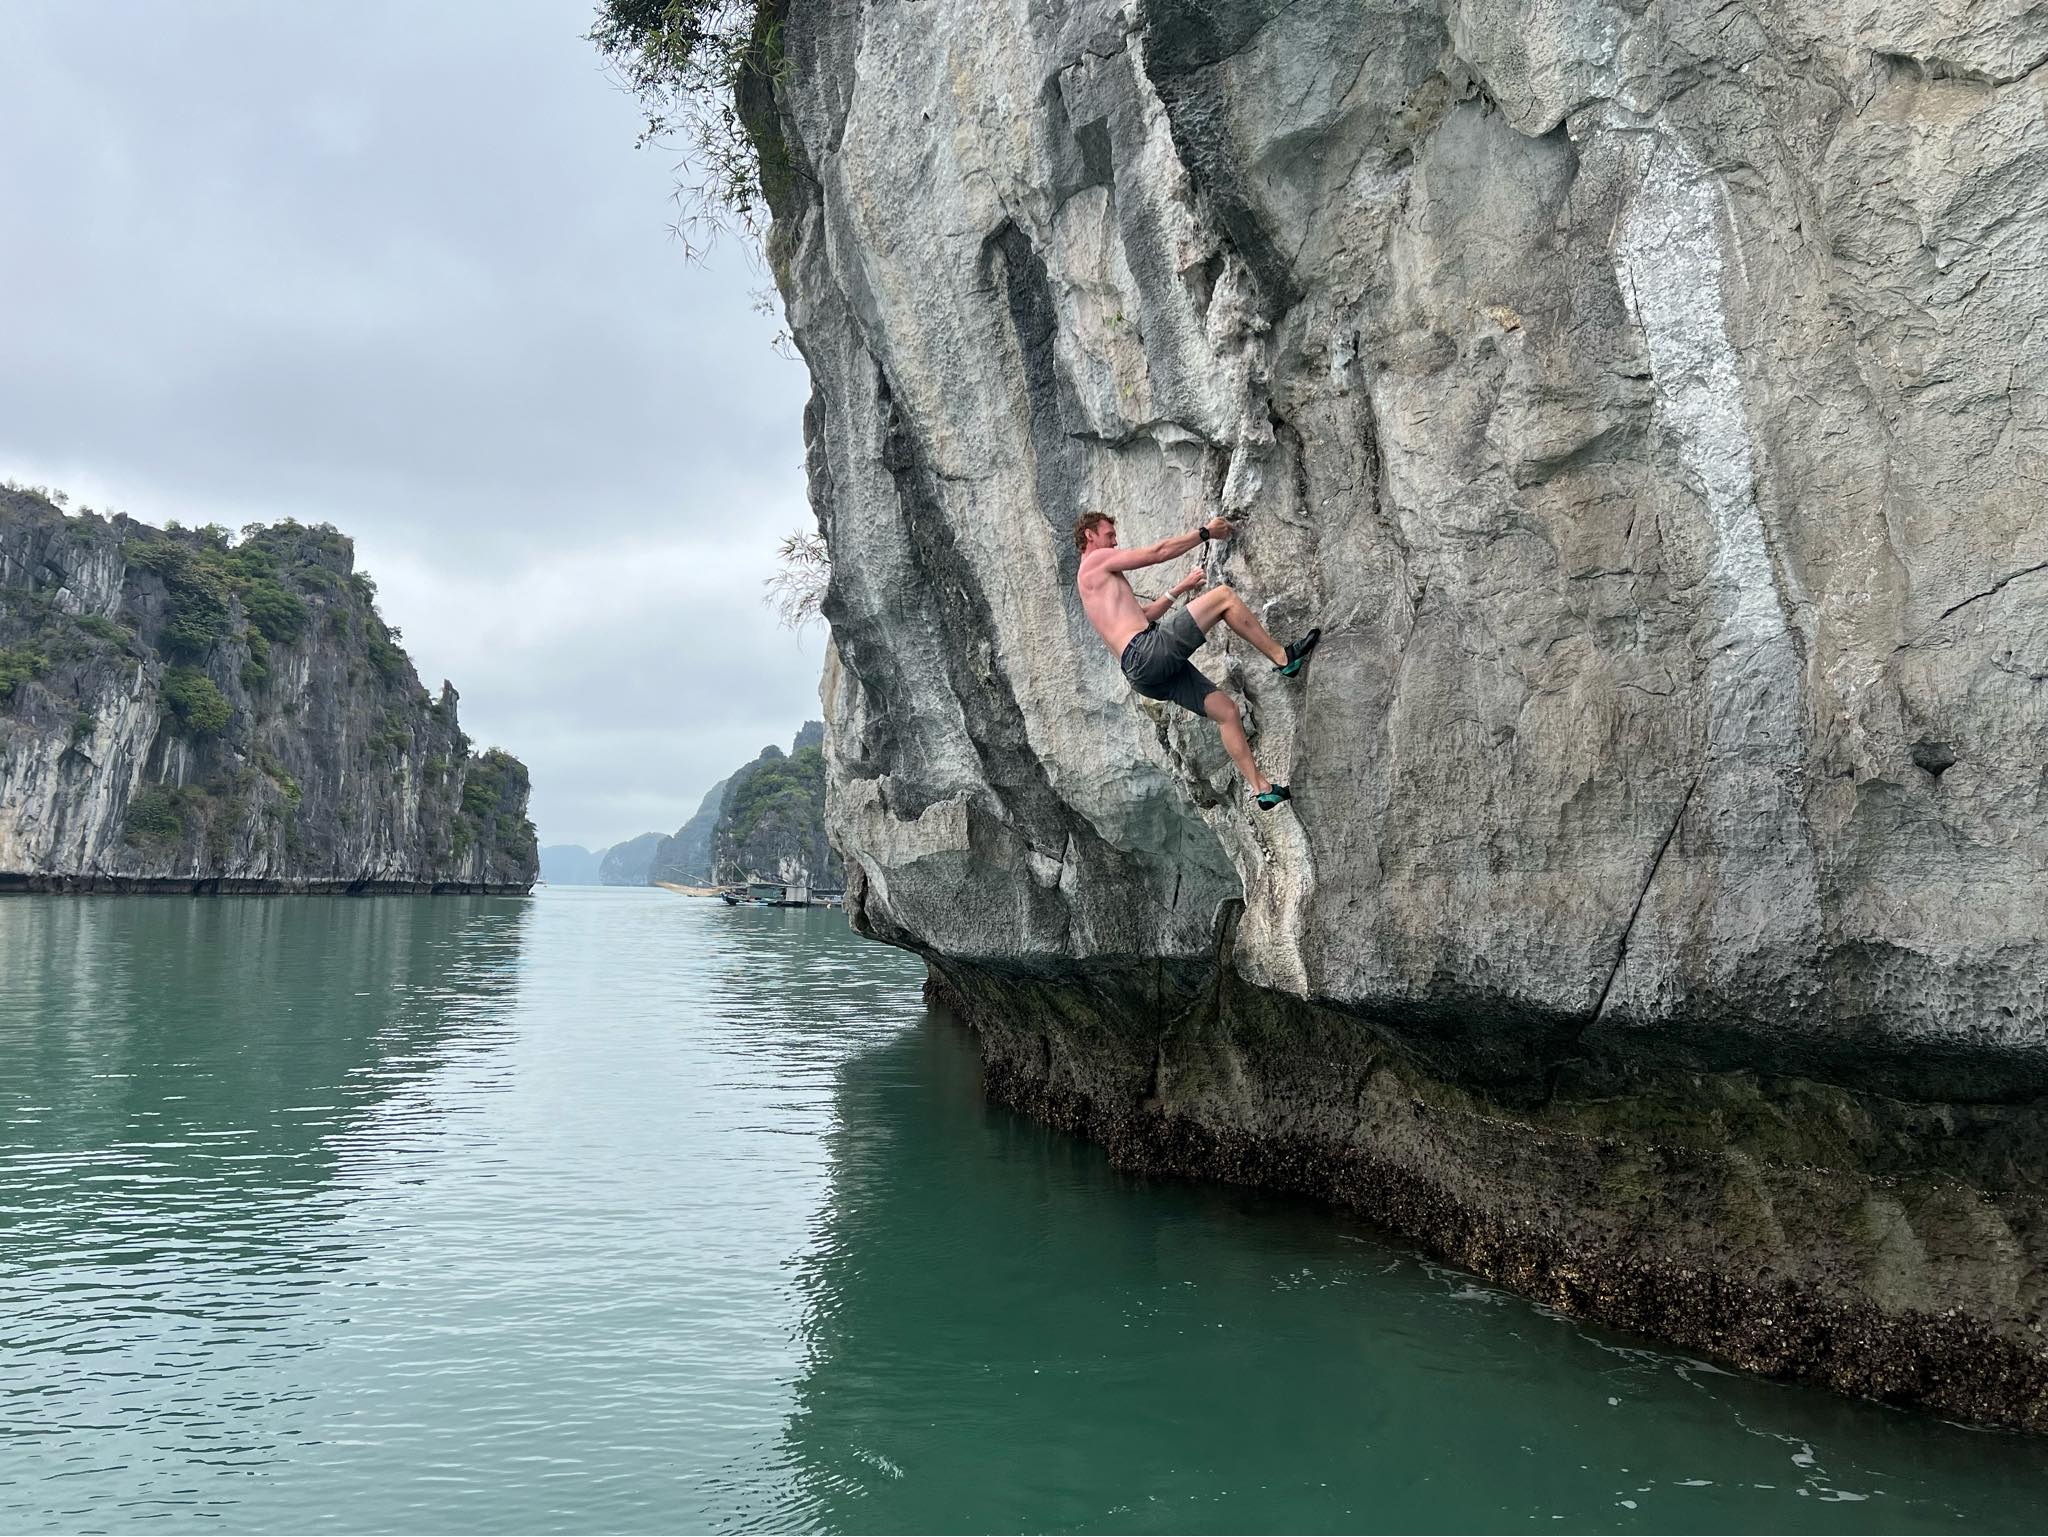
x: 1085, y: 524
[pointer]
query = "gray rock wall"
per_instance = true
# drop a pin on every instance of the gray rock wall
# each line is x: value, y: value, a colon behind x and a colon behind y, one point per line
x: 1648, y: 434
x: 155, y: 738
x: 685, y: 858
x: 628, y: 863
x: 1647, y: 405
x: 771, y: 818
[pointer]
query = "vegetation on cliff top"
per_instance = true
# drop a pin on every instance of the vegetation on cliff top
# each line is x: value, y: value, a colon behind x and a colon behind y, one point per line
x: 705, y: 72
x: 774, y: 810
x: 776, y: 789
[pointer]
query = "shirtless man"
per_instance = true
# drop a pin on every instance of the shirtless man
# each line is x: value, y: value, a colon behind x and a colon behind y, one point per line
x: 1155, y: 654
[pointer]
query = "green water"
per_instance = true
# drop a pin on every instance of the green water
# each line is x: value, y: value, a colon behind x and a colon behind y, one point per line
x: 619, y: 1211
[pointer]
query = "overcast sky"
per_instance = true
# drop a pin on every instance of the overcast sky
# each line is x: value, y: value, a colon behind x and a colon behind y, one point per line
x: 400, y: 268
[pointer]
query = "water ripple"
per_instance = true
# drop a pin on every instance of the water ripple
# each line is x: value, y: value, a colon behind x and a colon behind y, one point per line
x: 612, y: 1210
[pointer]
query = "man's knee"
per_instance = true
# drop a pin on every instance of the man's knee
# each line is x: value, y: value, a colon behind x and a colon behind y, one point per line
x: 1221, y: 708
x: 1228, y: 594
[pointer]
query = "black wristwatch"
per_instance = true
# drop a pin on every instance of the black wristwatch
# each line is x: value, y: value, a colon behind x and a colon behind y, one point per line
x: 1203, y: 533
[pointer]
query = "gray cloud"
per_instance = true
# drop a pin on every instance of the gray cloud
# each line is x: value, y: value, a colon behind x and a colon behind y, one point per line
x: 401, y: 269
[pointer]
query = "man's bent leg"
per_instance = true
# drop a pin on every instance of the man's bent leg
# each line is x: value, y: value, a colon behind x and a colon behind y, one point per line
x: 1224, y: 603
x: 1222, y: 709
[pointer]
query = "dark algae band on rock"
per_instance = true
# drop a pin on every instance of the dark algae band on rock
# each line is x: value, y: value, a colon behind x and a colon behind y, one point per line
x: 185, y: 712
x: 1638, y: 402
x: 1790, y: 1227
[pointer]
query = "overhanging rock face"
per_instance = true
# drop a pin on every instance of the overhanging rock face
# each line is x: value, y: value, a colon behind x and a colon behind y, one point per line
x: 1648, y: 407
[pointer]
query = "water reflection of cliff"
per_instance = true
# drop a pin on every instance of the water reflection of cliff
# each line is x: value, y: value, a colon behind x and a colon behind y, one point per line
x: 183, y: 1075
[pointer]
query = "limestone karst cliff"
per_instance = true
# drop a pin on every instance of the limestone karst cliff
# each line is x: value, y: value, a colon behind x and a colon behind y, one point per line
x: 771, y: 818
x: 182, y: 712
x: 1646, y: 401
x: 685, y: 856
x: 628, y: 863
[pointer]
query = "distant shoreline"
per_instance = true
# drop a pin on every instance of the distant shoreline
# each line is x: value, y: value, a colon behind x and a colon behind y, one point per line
x: 47, y: 882
x: 688, y: 891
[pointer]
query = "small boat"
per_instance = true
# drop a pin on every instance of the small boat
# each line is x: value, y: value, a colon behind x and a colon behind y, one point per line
x: 777, y: 894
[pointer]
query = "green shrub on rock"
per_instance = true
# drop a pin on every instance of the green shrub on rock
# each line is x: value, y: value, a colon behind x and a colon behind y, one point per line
x: 705, y: 71
x: 102, y: 628
x: 256, y: 666
x: 275, y: 611
x: 388, y: 659
x: 201, y: 709
x: 19, y: 664
x: 156, y: 816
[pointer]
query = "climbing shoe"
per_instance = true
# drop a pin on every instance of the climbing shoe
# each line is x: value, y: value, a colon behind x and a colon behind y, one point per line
x: 1298, y: 653
x: 1268, y: 799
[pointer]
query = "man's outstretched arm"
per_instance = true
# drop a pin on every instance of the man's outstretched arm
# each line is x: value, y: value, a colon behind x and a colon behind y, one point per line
x: 1157, y: 608
x: 1165, y: 549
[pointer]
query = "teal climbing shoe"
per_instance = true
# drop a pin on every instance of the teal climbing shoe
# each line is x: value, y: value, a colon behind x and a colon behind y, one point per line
x: 1298, y: 653
x: 1268, y: 799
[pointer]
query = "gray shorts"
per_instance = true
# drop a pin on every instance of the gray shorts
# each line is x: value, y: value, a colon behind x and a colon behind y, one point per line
x: 1156, y: 662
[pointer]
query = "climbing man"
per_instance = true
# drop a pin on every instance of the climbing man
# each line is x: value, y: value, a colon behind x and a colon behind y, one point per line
x: 1154, y: 655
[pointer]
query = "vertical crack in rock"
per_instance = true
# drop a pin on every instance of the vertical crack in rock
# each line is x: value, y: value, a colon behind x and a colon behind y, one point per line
x: 1184, y: 40
x: 1635, y: 910
x: 1034, y: 323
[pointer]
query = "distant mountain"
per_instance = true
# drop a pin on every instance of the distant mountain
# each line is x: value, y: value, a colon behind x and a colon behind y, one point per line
x: 686, y: 858
x: 772, y: 822
x: 764, y: 821
x: 570, y: 864
x: 627, y: 864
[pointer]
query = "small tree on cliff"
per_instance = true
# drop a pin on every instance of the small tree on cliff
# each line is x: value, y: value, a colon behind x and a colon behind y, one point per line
x: 797, y: 590
x: 704, y: 70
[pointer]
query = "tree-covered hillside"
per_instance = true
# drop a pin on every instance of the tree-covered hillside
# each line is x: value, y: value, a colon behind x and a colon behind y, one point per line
x: 195, y: 708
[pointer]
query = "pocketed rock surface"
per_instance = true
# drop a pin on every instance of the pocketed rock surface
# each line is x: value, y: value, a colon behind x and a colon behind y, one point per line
x: 1647, y: 403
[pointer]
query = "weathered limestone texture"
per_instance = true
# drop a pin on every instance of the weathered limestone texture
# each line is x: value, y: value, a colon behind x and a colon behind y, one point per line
x: 1647, y: 402
x: 179, y: 714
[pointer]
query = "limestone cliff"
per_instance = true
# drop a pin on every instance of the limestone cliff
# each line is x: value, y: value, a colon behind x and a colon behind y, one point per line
x: 628, y: 863
x: 685, y: 858
x: 1646, y: 402
x: 771, y: 820
x: 178, y: 712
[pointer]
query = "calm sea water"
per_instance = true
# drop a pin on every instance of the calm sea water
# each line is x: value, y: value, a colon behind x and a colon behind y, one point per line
x: 613, y: 1210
